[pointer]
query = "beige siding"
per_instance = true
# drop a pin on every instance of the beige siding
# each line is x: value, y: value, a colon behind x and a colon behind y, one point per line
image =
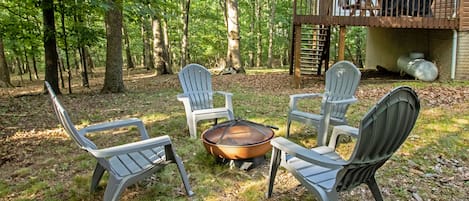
x: 462, y: 64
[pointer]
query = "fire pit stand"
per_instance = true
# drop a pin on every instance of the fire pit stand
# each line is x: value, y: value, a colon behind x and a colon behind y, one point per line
x: 240, y: 142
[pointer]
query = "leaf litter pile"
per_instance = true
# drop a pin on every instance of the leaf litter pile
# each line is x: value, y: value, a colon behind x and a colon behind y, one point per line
x: 38, y: 161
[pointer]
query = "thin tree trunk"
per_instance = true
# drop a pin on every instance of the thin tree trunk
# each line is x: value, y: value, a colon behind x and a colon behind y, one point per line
x: 50, y: 45
x: 185, y: 4
x: 26, y: 63
x: 147, y: 55
x: 128, y: 54
x: 64, y: 36
x: 35, y: 66
x: 4, y: 71
x: 251, y: 32
x: 259, y: 33
x: 234, y: 35
x: 271, y: 34
x: 113, y: 81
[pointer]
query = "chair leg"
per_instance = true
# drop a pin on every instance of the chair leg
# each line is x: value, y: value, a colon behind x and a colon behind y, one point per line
x: 114, y: 189
x: 185, y: 179
x: 375, y: 189
x: 288, y: 127
x: 274, y: 163
x: 192, y: 124
x: 97, y: 175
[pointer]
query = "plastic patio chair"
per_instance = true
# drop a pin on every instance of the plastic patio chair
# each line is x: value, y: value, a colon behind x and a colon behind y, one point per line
x: 127, y: 163
x: 196, y: 82
x: 321, y: 170
x: 342, y: 81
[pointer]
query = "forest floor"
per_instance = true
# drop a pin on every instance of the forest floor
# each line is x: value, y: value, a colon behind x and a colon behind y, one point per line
x: 38, y: 161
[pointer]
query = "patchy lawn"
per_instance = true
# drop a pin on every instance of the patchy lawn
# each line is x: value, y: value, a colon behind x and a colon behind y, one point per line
x: 38, y: 161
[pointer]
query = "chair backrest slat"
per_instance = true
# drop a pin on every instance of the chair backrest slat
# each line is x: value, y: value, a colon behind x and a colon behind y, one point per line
x: 196, y: 82
x: 382, y: 131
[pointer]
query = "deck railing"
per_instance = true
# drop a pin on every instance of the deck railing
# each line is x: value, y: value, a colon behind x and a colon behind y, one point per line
x: 442, y: 14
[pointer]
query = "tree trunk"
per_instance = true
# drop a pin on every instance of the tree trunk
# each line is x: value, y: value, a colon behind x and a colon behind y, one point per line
x: 167, y: 48
x: 271, y: 33
x: 26, y: 63
x: 128, y: 54
x: 64, y: 36
x: 251, y: 32
x: 35, y: 66
x: 234, y: 54
x: 113, y: 81
x: 259, y: 33
x: 146, y: 34
x: 185, y: 6
x: 158, y: 46
x: 4, y: 71
x: 50, y: 45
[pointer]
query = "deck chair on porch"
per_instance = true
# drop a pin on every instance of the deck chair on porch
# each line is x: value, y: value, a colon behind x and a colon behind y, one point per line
x: 127, y: 163
x: 196, y: 83
x: 342, y: 81
x: 321, y: 170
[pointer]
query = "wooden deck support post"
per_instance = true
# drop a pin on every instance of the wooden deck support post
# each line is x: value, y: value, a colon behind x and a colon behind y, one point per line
x: 296, y: 56
x: 342, y: 32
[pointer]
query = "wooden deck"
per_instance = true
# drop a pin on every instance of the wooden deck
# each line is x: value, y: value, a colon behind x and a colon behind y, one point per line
x: 422, y: 14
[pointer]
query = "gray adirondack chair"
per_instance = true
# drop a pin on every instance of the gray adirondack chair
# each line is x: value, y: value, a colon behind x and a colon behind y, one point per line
x: 196, y: 82
x: 342, y: 81
x: 321, y: 170
x: 127, y: 163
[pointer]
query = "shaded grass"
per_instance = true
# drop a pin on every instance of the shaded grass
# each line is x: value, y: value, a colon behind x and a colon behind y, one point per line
x: 46, y: 165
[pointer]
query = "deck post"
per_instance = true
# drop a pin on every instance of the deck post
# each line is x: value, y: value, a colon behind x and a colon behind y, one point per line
x: 296, y: 56
x: 342, y: 32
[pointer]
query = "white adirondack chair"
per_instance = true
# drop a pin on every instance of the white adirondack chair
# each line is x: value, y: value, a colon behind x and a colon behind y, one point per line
x: 325, y: 173
x: 196, y: 83
x: 342, y: 81
x: 127, y: 163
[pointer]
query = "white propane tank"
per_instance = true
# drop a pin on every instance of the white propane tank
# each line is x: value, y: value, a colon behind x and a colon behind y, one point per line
x: 415, y: 65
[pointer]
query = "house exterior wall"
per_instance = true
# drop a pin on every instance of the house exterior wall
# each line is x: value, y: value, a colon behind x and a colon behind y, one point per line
x: 385, y: 46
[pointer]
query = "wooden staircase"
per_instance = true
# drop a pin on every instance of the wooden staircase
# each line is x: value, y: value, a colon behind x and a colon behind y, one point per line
x: 315, y: 40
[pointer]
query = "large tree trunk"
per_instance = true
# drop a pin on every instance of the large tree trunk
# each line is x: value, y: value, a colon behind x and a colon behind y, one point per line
x: 185, y: 6
x: 113, y: 81
x: 158, y: 46
x: 259, y: 33
x: 128, y: 54
x: 271, y: 34
x: 4, y: 71
x: 50, y: 45
x: 234, y: 54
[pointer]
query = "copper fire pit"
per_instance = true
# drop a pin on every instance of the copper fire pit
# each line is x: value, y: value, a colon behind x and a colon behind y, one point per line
x: 238, y: 139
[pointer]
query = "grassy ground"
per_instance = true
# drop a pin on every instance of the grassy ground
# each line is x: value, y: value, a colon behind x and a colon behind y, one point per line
x: 38, y: 161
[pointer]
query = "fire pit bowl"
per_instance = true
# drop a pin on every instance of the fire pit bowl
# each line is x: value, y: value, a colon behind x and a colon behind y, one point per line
x: 238, y: 139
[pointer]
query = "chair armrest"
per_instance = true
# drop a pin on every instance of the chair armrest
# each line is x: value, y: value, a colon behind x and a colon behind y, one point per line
x: 296, y: 97
x: 224, y: 93
x: 353, y: 99
x: 342, y: 130
x: 131, y: 147
x: 228, y: 101
x: 305, y: 154
x: 116, y: 124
